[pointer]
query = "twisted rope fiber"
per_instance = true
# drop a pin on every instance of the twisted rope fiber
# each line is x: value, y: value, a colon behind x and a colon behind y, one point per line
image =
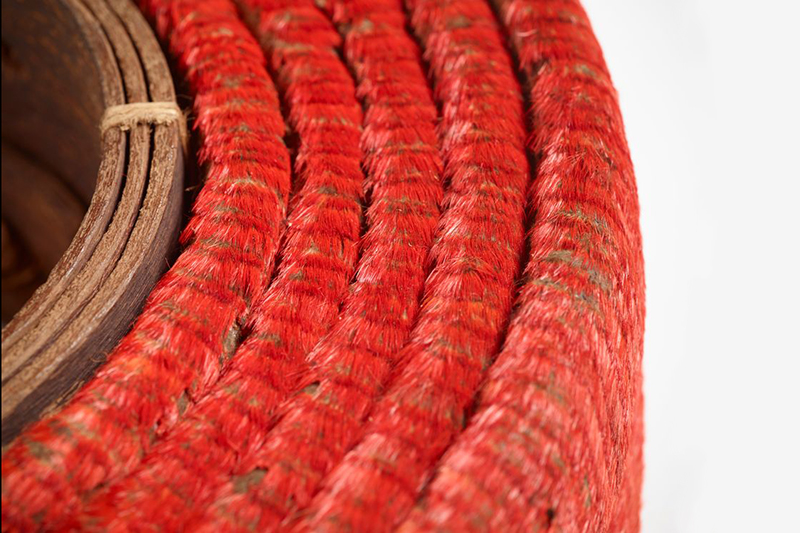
x: 175, y: 348
x: 467, y: 297
x: 406, y: 224
x: 404, y: 164
x: 398, y: 418
x: 460, y: 329
x: 556, y: 441
x: 317, y: 261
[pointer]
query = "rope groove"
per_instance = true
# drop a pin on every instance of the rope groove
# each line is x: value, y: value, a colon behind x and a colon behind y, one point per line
x: 401, y: 371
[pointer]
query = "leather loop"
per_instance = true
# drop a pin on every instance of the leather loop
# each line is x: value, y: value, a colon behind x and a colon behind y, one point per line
x: 72, y: 68
x: 126, y: 116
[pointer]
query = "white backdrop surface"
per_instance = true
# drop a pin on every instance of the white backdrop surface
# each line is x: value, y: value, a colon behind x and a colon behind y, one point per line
x: 710, y: 94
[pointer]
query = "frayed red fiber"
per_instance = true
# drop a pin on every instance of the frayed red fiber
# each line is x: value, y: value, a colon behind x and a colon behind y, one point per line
x: 467, y: 299
x: 556, y: 441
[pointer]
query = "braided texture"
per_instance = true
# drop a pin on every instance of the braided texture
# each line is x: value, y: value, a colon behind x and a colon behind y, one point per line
x: 411, y: 295
x: 556, y: 440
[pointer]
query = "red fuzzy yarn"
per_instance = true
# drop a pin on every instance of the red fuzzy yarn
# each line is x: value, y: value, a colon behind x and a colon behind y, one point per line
x: 468, y: 295
x: 418, y: 405
x: 556, y: 441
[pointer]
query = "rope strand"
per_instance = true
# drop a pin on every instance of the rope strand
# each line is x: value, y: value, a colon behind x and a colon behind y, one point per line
x: 556, y: 441
x: 469, y: 295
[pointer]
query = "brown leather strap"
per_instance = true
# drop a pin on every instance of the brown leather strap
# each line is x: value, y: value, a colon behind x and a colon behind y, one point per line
x: 66, y: 62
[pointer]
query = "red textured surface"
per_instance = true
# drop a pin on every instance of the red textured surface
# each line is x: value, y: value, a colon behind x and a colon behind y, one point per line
x: 556, y: 440
x: 468, y: 295
x: 445, y: 388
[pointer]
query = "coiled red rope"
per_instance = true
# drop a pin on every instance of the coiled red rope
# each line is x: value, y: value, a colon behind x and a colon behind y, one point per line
x: 445, y: 388
x: 556, y: 439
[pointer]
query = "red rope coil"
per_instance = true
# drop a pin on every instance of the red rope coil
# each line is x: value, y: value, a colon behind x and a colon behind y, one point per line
x: 428, y: 400
x: 556, y: 440
x: 468, y: 295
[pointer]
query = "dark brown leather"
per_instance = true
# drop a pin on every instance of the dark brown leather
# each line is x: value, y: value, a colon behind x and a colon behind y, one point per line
x: 64, y: 63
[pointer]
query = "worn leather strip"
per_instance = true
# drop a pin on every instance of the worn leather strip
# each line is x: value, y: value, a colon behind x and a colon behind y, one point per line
x: 46, y: 103
x: 92, y: 295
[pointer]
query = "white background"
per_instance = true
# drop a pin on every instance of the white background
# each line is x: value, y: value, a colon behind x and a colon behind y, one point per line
x: 709, y: 91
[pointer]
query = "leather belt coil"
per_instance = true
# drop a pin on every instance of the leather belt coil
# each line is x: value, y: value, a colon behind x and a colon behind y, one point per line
x: 89, y: 115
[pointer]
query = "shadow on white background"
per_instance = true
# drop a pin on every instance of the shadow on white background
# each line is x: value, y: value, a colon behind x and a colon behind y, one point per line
x: 710, y: 93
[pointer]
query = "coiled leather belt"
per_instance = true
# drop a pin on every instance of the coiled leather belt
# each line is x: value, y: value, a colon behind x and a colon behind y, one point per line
x: 70, y: 65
